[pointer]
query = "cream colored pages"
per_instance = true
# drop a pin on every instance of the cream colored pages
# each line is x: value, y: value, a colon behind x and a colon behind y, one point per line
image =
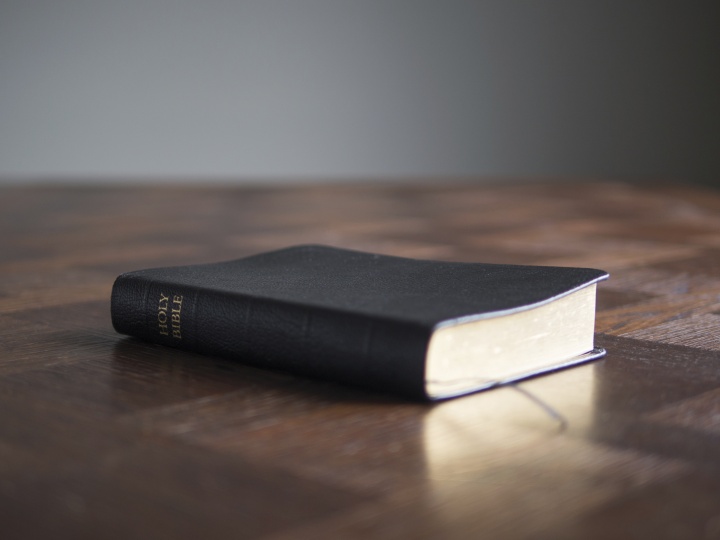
x: 470, y: 356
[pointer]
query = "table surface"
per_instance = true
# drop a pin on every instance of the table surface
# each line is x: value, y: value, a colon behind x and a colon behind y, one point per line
x: 103, y: 436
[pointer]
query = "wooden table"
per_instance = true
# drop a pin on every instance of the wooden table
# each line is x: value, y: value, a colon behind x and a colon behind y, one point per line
x: 107, y: 437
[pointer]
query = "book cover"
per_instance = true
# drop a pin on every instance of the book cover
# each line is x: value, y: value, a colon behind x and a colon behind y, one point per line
x: 424, y: 329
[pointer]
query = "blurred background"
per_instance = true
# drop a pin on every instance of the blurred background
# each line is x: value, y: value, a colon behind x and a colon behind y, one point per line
x: 293, y: 90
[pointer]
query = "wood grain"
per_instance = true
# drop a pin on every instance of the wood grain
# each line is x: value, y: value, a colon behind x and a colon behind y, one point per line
x: 103, y: 436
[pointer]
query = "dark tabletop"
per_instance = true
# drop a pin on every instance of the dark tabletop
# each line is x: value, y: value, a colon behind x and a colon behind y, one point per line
x: 106, y: 437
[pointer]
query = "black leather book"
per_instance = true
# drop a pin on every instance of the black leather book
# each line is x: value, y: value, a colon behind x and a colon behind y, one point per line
x: 423, y: 329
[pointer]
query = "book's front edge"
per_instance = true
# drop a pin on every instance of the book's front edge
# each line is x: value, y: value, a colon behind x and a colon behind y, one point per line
x: 595, y: 354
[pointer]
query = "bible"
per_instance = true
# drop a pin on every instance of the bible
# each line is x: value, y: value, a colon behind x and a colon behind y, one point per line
x: 424, y: 329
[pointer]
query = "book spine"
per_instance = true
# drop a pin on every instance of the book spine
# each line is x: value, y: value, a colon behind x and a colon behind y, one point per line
x: 306, y: 340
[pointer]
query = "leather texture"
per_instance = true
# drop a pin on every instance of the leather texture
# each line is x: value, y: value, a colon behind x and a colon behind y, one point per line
x: 348, y: 316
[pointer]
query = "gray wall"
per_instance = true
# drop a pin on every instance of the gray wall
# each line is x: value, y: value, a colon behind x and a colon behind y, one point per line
x: 366, y: 88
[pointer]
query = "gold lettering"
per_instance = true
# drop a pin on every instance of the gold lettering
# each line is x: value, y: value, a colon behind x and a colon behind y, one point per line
x: 175, y: 316
x: 162, y: 317
x: 169, y: 313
